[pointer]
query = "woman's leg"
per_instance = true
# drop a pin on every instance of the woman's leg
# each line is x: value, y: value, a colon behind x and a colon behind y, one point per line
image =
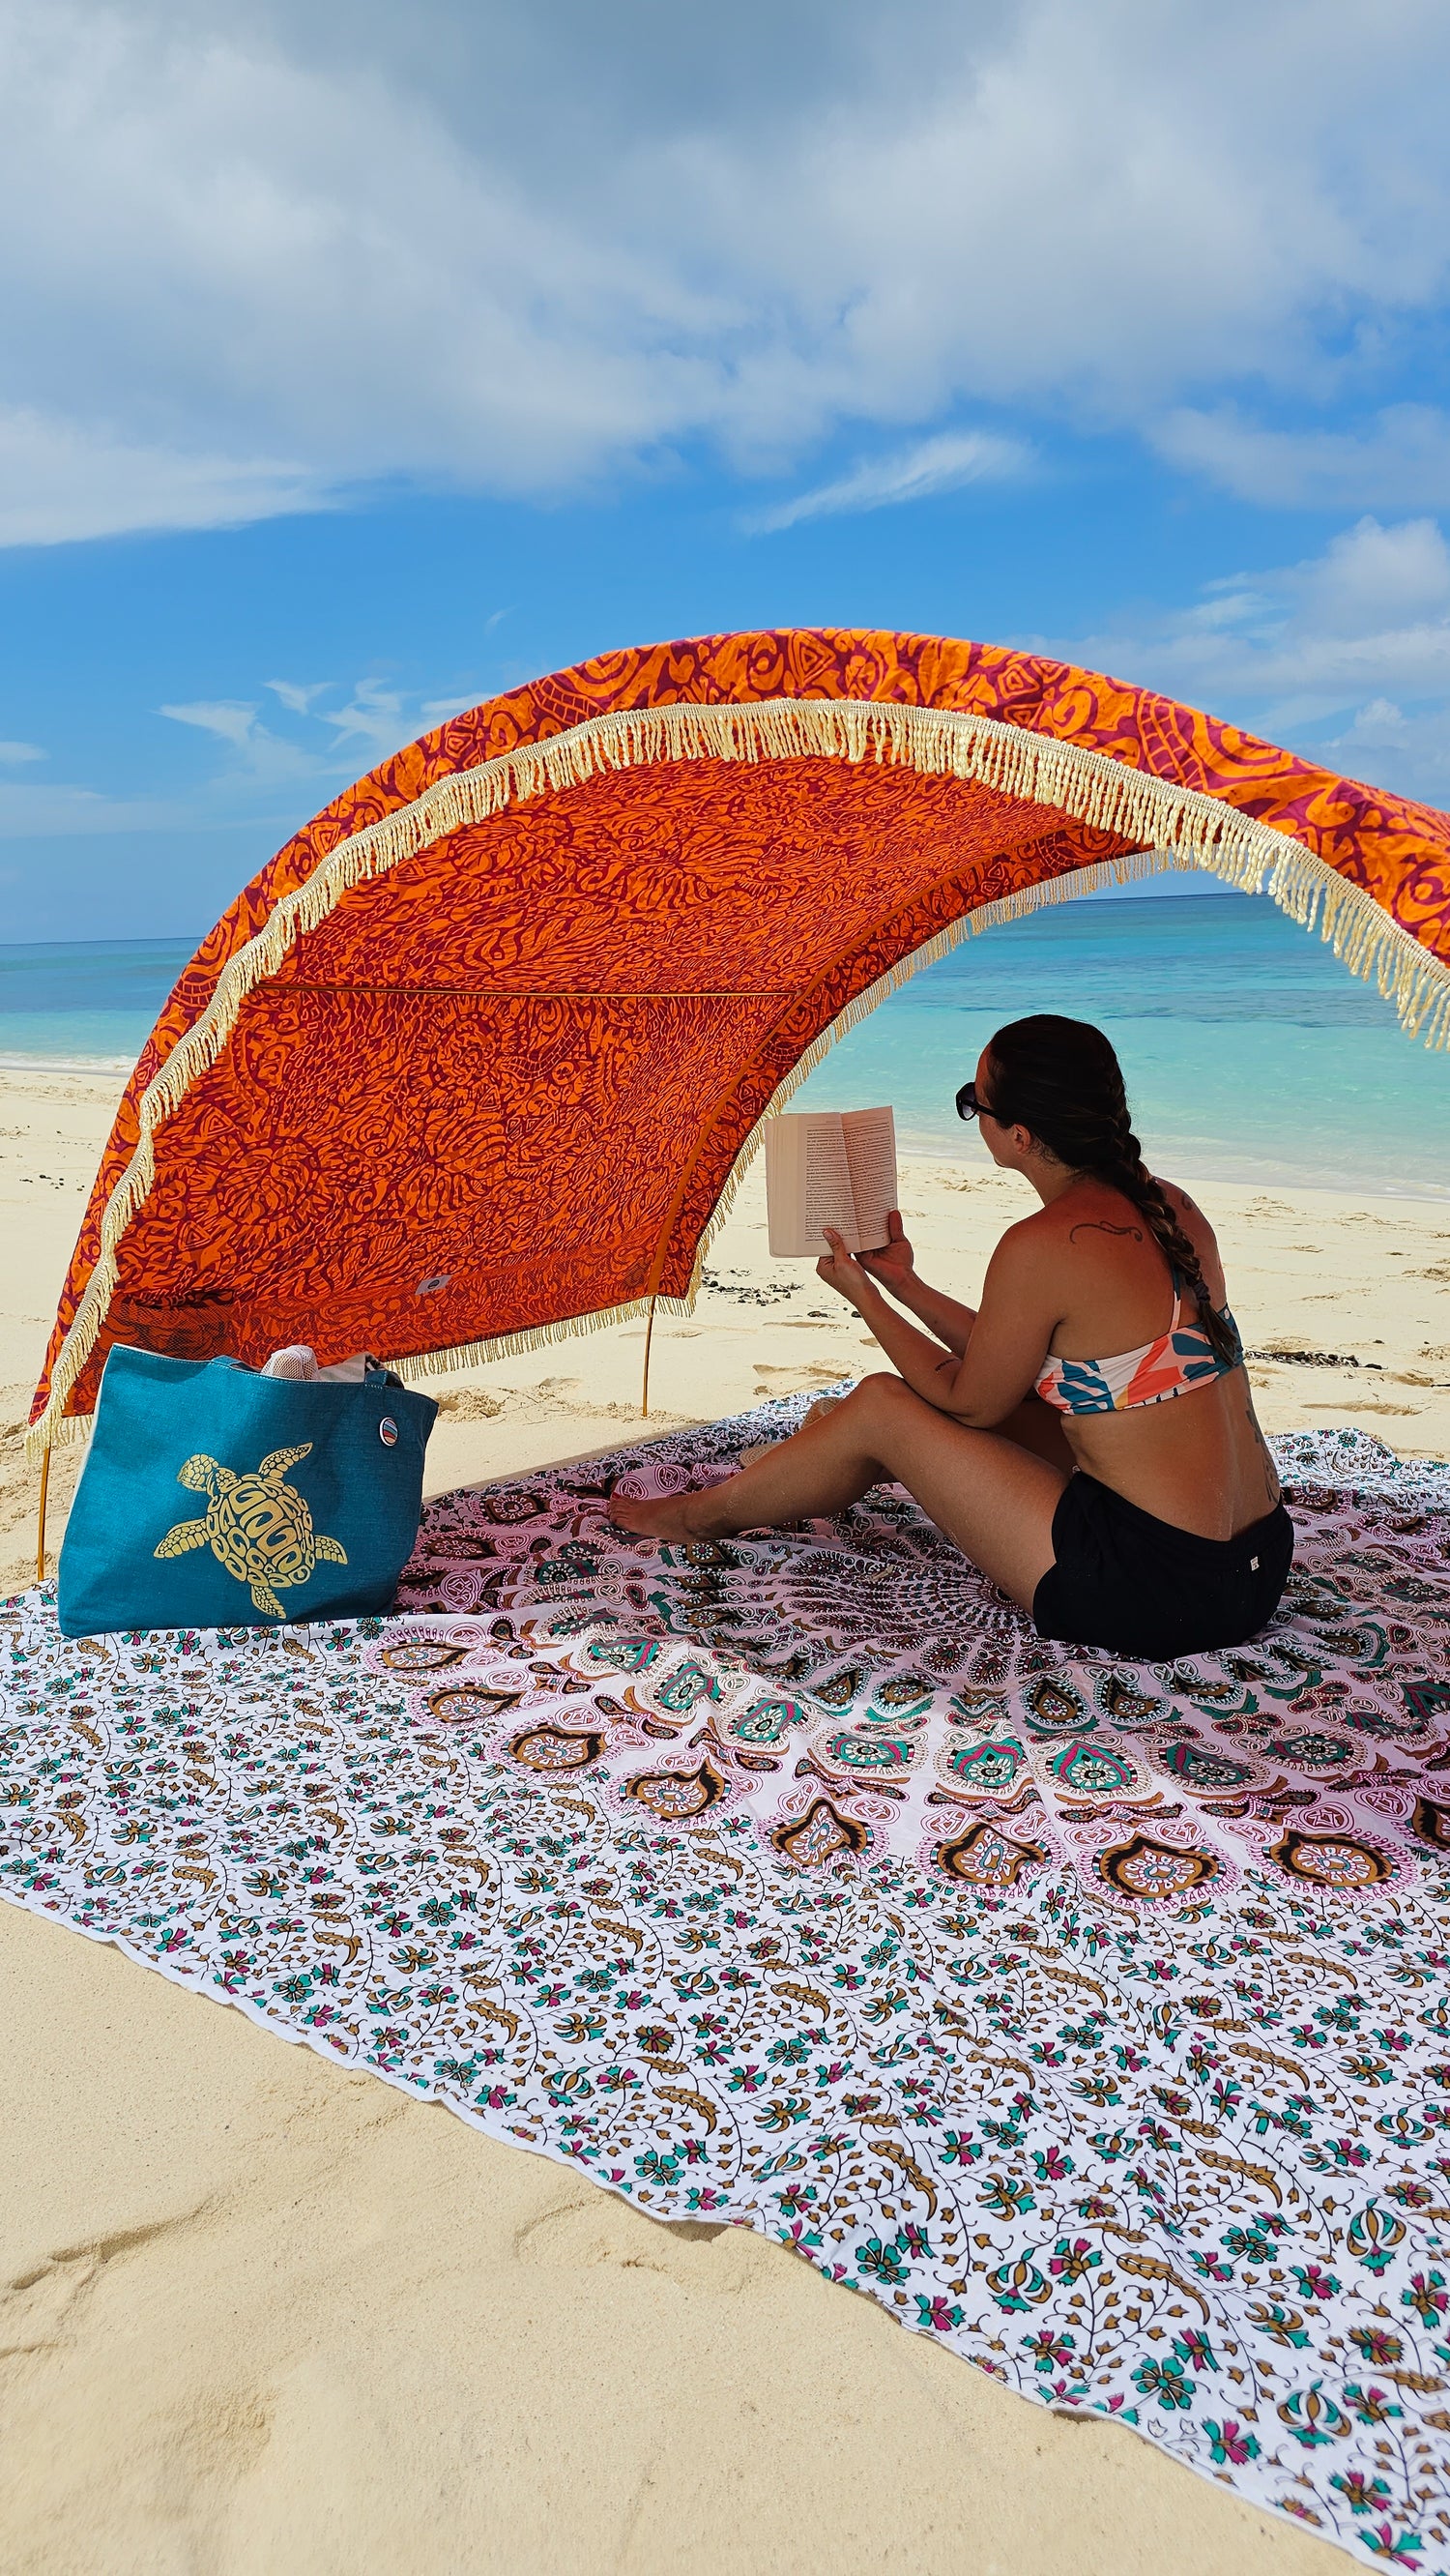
x: 990, y: 1495
x: 1032, y: 1424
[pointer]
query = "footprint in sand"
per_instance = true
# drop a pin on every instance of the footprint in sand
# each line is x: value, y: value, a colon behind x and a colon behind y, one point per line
x: 586, y: 2236
x: 794, y: 1377
x: 1356, y: 1404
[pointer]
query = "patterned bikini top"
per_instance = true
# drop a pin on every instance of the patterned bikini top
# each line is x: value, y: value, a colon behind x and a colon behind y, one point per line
x: 1179, y: 1360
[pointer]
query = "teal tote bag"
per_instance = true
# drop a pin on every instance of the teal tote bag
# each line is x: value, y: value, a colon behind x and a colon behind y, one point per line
x: 215, y: 1498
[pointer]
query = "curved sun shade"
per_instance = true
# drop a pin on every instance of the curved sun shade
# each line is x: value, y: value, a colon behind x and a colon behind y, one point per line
x: 474, y: 1059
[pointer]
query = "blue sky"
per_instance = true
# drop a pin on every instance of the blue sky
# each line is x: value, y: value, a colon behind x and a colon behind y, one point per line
x: 359, y: 362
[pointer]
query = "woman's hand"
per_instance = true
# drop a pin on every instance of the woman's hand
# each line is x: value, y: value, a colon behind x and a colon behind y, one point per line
x: 894, y: 1264
x: 841, y: 1271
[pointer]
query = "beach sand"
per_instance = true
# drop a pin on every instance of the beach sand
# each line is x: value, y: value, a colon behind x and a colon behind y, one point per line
x: 260, y: 2311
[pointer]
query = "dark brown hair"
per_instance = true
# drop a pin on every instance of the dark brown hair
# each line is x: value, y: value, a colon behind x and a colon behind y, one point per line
x: 1061, y: 1080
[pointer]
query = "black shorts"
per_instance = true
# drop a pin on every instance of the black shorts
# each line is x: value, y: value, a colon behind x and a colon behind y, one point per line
x: 1129, y: 1582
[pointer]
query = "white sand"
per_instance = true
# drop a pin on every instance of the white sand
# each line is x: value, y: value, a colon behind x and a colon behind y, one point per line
x: 263, y: 2313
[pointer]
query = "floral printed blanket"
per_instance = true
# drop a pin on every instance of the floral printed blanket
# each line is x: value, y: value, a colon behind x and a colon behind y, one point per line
x: 1091, y: 2016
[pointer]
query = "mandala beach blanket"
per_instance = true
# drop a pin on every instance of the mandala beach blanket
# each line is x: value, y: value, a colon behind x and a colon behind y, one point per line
x: 1093, y: 2017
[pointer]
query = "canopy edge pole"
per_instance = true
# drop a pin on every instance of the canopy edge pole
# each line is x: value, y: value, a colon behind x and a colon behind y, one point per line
x: 648, y: 1338
x: 40, y: 1518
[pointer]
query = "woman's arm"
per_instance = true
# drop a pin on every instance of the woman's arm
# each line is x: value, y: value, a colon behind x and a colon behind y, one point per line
x: 894, y: 1268
x: 1009, y: 1340
x: 945, y: 1316
x: 927, y: 1367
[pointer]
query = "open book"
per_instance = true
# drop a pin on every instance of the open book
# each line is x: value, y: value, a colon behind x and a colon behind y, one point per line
x: 831, y: 1167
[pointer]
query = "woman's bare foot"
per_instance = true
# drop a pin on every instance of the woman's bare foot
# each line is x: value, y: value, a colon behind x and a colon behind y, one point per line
x: 688, y: 1515
x: 666, y: 1516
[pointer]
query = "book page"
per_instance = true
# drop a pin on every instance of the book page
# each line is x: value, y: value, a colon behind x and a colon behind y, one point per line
x: 807, y: 1184
x: 869, y: 1137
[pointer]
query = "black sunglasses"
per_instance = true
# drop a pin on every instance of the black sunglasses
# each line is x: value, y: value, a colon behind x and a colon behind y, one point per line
x: 969, y: 1105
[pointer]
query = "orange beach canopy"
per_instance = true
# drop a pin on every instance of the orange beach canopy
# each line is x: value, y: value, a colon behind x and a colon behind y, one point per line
x: 475, y: 1060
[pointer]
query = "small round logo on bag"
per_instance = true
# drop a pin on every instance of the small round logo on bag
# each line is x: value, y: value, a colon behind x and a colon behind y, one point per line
x: 388, y: 1431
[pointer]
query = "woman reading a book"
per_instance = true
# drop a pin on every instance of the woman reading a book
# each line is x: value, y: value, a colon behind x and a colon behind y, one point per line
x: 1128, y: 1502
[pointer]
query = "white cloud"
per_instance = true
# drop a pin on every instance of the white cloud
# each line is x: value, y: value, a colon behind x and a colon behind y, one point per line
x: 254, y: 258
x: 1380, y: 726
x: 1375, y: 577
x: 222, y: 716
x: 62, y: 479
x: 934, y: 465
x: 1356, y: 639
x: 48, y: 813
x: 296, y: 696
x: 436, y: 711
x: 1390, y: 747
x: 374, y: 716
x: 14, y: 753
x: 324, y: 743
x: 260, y: 758
x: 329, y: 745
x: 374, y: 721
x: 1402, y: 462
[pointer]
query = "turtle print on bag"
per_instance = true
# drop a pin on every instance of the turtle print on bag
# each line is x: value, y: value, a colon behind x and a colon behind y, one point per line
x: 257, y: 1526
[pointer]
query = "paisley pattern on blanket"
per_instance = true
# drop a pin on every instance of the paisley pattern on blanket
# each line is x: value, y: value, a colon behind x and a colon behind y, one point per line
x: 861, y: 1687
x: 1095, y: 2054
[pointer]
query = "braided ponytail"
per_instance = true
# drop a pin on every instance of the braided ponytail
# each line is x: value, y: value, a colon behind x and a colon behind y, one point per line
x: 1061, y: 1080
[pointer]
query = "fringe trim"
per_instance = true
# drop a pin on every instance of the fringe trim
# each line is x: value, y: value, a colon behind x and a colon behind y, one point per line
x: 1189, y: 828
x: 61, y: 1433
x: 538, y: 1337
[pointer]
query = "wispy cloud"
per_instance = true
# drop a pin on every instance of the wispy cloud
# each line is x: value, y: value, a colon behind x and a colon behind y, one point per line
x: 258, y: 779
x: 1402, y: 461
x: 225, y: 717
x: 51, y: 813
x: 260, y: 757
x: 436, y: 711
x: 932, y: 465
x: 322, y: 743
x: 296, y: 695
x: 1345, y: 655
x: 373, y: 716
x: 61, y: 479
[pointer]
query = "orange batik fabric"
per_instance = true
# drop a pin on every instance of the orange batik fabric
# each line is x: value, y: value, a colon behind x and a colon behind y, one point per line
x: 501, y: 1084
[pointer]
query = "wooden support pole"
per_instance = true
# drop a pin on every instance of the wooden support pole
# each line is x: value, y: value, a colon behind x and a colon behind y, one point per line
x: 648, y: 1338
x: 40, y: 1525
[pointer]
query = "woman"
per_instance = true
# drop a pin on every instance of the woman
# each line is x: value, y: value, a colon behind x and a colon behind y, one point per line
x: 1128, y: 1502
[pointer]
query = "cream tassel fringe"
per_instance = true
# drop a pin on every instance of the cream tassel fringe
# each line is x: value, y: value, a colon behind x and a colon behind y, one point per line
x: 1175, y: 827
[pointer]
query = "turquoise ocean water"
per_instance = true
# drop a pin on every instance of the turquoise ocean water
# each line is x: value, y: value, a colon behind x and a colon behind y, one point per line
x: 89, y: 1002
x: 1251, y: 1053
